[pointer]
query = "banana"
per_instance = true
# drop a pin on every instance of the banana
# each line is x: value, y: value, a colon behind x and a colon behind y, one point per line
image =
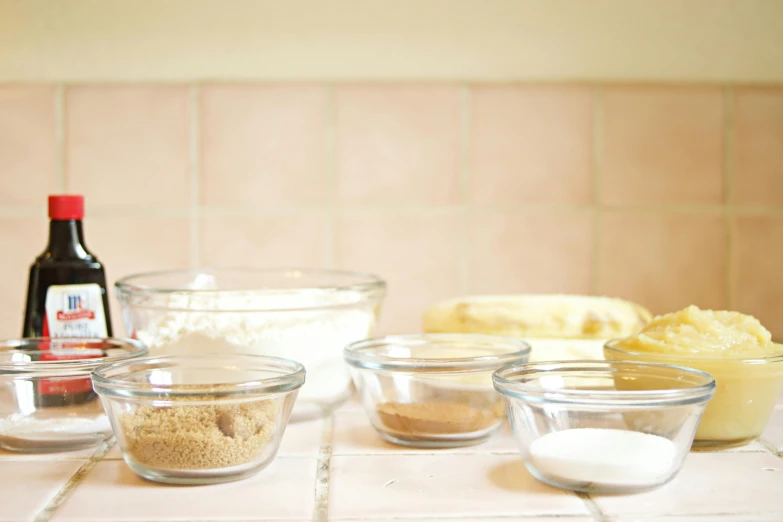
x: 540, y: 316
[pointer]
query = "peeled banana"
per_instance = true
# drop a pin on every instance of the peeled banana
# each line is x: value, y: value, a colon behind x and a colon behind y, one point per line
x: 539, y: 316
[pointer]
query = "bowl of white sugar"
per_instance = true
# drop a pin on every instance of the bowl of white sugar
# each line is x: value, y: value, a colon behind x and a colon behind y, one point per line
x: 604, y: 426
x: 307, y: 315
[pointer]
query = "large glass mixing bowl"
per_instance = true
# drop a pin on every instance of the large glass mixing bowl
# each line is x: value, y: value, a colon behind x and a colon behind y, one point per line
x: 307, y: 315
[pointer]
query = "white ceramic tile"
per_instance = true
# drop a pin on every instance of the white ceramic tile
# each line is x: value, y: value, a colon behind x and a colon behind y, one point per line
x: 114, y: 453
x: 456, y: 485
x: 493, y: 519
x: 744, y: 517
x: 112, y: 492
x: 352, y: 434
x: 302, y: 438
x: 710, y: 483
x: 26, y: 487
x: 773, y: 434
x: 352, y: 404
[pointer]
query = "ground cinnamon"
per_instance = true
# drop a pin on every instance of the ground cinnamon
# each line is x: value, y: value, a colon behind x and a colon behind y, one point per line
x: 439, y: 418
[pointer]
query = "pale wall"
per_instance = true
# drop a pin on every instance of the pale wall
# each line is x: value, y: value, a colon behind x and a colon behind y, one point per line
x: 624, y: 148
x: 118, y: 40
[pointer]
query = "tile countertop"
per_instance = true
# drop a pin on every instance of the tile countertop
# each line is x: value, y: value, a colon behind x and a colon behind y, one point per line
x: 339, y: 469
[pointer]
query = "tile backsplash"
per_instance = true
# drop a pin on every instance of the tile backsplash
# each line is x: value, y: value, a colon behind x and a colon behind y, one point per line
x: 667, y: 195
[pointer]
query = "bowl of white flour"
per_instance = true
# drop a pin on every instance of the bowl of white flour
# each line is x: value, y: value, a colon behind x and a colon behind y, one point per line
x: 307, y: 315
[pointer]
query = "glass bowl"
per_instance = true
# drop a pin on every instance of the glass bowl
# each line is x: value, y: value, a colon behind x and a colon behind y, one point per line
x: 432, y: 390
x: 199, y: 419
x: 604, y: 427
x: 300, y: 314
x: 747, y: 390
x: 47, y: 402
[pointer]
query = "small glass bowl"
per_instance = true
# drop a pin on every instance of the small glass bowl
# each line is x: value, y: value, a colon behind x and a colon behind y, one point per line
x: 47, y: 402
x: 746, y: 394
x: 201, y: 418
x: 432, y: 391
x: 602, y: 426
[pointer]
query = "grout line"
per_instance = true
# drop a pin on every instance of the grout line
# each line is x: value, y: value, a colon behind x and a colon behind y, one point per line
x: 530, y: 517
x: 266, y: 210
x: 322, y: 472
x: 152, y: 519
x: 728, y: 187
x: 760, y: 210
x: 517, y: 517
x: 728, y: 223
x: 331, y: 175
x: 597, y: 164
x: 48, y: 510
x: 59, y: 136
x: 769, y: 448
x: 25, y: 212
x: 728, y: 145
x: 403, y: 81
x: 194, y: 161
x: 465, y: 172
x: 697, y: 517
x: 387, y: 208
x: 592, y: 507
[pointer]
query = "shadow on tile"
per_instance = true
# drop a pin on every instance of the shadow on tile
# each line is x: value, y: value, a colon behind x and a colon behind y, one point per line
x: 512, y: 476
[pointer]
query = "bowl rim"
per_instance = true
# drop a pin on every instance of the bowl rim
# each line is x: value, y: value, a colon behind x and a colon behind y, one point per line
x: 357, y: 354
x: 683, y: 360
x: 509, y: 387
x: 118, y: 387
x: 137, y: 350
x: 368, y: 287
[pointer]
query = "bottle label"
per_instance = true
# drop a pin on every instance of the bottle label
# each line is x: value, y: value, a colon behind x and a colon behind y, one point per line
x: 66, y: 385
x: 74, y: 311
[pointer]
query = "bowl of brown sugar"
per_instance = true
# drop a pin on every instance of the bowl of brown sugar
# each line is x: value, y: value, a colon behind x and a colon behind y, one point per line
x: 433, y: 390
x: 199, y: 419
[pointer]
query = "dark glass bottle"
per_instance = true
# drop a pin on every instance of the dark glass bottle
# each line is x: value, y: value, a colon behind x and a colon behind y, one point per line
x: 66, y: 296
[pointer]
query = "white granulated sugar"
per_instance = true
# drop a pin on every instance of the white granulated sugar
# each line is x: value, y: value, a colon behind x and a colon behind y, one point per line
x: 24, y: 427
x: 281, y: 325
x: 603, y: 457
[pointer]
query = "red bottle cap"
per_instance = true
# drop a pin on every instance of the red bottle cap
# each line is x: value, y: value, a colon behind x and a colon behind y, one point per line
x: 66, y: 206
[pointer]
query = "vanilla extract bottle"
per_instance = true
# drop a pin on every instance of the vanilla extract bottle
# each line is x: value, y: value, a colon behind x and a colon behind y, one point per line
x: 66, y: 298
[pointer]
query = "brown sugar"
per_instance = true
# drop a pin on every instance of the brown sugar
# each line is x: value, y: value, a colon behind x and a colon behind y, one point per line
x: 439, y: 418
x: 199, y: 437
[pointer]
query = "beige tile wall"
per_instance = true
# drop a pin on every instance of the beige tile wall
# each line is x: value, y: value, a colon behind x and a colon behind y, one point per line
x: 665, y: 195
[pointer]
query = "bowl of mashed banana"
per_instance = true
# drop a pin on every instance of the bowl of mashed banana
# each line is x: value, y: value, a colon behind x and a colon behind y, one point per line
x: 732, y: 347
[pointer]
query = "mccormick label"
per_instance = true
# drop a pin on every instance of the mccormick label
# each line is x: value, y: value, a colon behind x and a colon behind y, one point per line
x: 66, y: 385
x: 71, y: 311
x: 74, y: 311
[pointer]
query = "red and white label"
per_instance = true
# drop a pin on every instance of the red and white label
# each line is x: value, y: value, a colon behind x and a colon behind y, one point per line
x: 75, y: 311
x: 66, y: 385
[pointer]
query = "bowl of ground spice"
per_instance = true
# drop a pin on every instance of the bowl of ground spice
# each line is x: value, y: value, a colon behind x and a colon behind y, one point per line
x: 199, y: 419
x: 433, y: 390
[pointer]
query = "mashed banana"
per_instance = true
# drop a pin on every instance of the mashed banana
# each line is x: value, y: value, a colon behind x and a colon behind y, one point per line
x: 735, y: 349
x: 704, y: 333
